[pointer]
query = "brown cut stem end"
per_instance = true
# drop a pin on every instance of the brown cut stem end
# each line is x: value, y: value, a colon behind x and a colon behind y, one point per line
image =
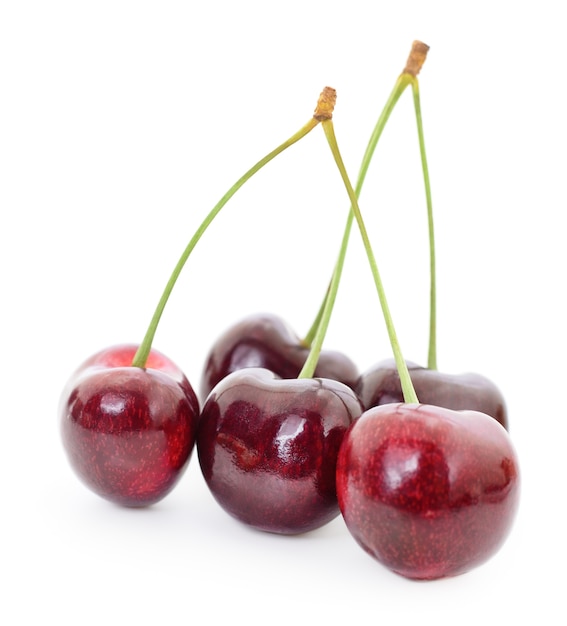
x: 416, y: 58
x: 325, y: 104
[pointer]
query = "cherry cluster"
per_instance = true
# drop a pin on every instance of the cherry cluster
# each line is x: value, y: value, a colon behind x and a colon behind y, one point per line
x: 420, y: 464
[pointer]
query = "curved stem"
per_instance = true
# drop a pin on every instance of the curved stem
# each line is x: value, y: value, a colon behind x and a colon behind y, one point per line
x: 407, y: 386
x: 413, y: 66
x: 307, y: 341
x: 401, y: 83
x: 143, y: 351
x: 414, y: 63
x: 432, y: 350
x: 324, y: 315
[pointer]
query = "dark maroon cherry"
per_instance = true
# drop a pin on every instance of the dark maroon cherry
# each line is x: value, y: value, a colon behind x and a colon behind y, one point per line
x: 128, y: 432
x: 267, y: 341
x: 268, y: 448
x: 381, y: 385
x: 427, y: 491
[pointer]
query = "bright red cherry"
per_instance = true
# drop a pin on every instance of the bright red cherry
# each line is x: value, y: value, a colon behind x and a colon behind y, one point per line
x: 122, y: 355
x: 129, y: 431
x: 427, y: 491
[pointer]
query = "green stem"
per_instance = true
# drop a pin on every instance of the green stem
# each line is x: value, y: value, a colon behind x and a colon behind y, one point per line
x: 307, y: 341
x: 407, y: 386
x: 401, y: 83
x: 432, y: 350
x: 143, y: 351
x: 324, y: 315
x: 407, y: 77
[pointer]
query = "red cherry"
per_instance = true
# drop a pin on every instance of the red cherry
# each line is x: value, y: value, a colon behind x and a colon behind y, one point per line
x: 268, y: 448
x: 128, y: 432
x: 427, y: 491
x: 266, y: 341
x: 381, y: 385
x: 122, y: 355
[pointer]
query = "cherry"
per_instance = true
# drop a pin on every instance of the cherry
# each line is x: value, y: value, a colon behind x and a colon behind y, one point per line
x: 268, y: 448
x: 380, y: 384
x: 122, y: 356
x: 265, y: 340
x: 128, y: 429
x: 427, y: 491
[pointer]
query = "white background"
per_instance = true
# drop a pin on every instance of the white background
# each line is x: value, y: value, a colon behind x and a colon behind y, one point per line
x: 121, y: 124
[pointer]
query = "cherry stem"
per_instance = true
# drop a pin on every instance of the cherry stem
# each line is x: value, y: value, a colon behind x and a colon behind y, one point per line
x: 408, y: 390
x: 432, y: 350
x: 307, y: 341
x: 401, y: 83
x: 324, y: 315
x: 143, y: 351
x: 408, y: 76
x: 324, y: 113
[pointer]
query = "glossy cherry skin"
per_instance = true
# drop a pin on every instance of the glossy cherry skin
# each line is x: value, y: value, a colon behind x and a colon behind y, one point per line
x: 128, y: 432
x: 268, y: 448
x: 266, y: 341
x: 381, y: 385
x: 122, y: 355
x: 427, y: 491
